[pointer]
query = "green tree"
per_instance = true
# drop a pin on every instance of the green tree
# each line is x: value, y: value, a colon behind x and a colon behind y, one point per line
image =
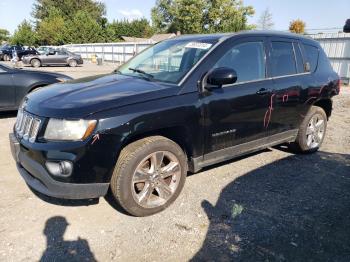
x: 200, y: 16
x: 162, y: 15
x: 24, y: 35
x: 227, y: 16
x: 83, y: 28
x: 297, y: 26
x: 52, y: 30
x: 140, y: 28
x: 78, y: 21
x: 188, y: 16
x: 4, y: 35
x: 68, y: 8
x: 135, y: 28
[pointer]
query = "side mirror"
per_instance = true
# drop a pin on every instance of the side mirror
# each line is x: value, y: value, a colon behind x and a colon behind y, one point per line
x: 222, y: 76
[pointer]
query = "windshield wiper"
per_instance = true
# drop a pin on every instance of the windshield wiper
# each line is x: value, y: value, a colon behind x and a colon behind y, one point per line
x: 149, y: 76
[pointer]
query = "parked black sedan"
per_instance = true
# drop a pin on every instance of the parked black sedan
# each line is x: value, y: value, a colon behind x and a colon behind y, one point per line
x: 6, y: 52
x: 16, y: 83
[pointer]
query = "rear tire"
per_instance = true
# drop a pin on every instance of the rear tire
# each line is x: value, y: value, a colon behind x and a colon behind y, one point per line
x: 149, y: 175
x: 35, y: 63
x: 72, y: 63
x: 311, y: 131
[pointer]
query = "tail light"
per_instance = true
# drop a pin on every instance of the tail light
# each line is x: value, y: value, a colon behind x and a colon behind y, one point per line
x: 339, y: 85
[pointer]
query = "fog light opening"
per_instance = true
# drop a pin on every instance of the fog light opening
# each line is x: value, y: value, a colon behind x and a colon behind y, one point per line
x: 61, y: 168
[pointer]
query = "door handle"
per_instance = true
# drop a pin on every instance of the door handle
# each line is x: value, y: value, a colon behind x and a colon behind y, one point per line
x: 263, y: 91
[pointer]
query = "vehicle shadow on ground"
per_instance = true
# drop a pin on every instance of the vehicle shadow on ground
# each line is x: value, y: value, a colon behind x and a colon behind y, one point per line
x: 8, y: 114
x: 294, y: 209
x: 65, y: 202
x: 58, y: 249
x: 79, y: 202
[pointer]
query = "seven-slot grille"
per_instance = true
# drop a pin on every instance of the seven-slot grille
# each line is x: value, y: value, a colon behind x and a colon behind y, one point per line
x: 27, y: 126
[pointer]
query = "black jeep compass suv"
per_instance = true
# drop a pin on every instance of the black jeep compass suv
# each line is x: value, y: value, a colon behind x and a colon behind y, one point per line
x: 178, y: 106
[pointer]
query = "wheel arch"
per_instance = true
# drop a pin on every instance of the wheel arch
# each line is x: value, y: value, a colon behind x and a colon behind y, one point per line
x: 326, y: 105
x: 178, y: 134
x: 70, y: 59
x: 32, y: 88
x: 30, y: 61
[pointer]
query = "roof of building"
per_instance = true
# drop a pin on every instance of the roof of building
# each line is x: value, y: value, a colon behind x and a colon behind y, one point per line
x: 160, y: 37
x: 135, y: 39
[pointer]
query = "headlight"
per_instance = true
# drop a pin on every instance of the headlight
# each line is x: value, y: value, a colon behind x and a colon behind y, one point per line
x: 71, y: 130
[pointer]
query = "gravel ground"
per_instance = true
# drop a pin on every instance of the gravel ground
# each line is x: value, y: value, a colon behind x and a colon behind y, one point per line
x: 272, y: 205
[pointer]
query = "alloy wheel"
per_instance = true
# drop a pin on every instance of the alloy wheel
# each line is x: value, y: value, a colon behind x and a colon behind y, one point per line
x: 156, y: 179
x: 315, y: 131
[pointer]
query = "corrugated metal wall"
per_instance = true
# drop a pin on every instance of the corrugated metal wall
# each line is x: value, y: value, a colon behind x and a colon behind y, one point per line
x: 113, y: 52
x: 336, y: 46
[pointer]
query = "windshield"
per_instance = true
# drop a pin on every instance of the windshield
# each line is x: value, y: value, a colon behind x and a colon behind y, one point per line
x: 167, y: 61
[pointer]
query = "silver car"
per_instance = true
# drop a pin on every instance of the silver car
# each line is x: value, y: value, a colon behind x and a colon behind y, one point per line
x: 53, y: 57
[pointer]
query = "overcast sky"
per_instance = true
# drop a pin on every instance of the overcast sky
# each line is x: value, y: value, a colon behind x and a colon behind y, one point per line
x: 317, y: 14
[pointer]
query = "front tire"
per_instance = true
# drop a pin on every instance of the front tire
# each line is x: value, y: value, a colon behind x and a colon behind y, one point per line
x: 35, y: 63
x: 72, y: 63
x: 149, y: 175
x: 312, y: 131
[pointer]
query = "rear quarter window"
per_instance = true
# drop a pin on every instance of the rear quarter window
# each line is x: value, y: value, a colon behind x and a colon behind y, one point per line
x: 324, y: 64
x: 311, y: 53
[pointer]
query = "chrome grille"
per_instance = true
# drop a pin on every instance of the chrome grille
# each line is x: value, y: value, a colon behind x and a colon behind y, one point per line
x: 27, y: 126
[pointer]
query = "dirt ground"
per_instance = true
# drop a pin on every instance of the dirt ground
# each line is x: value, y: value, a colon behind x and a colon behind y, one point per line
x: 269, y: 206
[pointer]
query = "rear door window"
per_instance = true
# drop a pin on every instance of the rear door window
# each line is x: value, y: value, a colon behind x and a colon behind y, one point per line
x: 282, y: 59
x: 311, y: 53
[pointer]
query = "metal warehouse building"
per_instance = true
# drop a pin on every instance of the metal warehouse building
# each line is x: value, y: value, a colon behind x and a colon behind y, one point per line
x: 337, y: 48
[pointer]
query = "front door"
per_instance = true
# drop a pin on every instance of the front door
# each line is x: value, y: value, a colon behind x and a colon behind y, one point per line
x: 237, y: 114
x: 7, y: 89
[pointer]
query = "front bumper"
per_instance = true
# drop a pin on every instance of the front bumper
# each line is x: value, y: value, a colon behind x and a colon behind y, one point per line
x: 36, y: 176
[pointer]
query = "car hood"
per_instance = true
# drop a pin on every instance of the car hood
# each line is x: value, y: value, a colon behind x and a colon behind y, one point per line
x: 56, y: 75
x: 83, y: 97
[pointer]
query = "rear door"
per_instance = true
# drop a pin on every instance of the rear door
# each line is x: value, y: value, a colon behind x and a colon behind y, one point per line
x: 7, y: 89
x: 286, y: 70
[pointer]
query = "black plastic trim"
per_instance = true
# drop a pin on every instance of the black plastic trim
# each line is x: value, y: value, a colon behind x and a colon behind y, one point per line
x: 218, y: 156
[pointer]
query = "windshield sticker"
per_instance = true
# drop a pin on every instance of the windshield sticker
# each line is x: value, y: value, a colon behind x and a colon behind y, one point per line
x: 198, y: 45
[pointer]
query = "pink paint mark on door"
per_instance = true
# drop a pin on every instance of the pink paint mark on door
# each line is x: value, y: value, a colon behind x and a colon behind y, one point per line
x: 267, y: 117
